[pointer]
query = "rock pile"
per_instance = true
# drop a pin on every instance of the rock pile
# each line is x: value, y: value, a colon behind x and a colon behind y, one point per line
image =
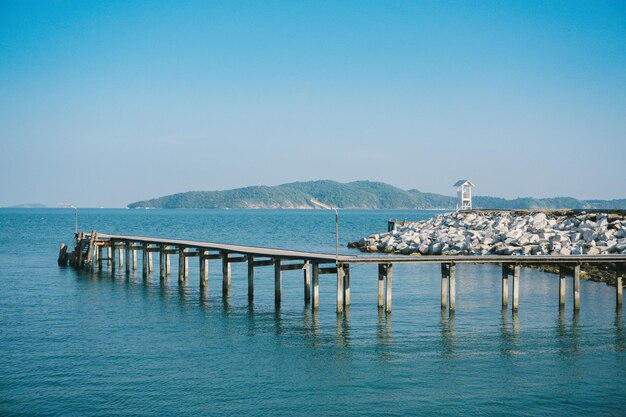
x: 505, y: 233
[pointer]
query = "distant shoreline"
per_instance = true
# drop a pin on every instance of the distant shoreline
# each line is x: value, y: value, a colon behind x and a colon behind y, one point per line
x: 357, y: 195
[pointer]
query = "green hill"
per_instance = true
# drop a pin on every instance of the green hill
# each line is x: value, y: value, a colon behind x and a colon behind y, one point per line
x: 357, y: 194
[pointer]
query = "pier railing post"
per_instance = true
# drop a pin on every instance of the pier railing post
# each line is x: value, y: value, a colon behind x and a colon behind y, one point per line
x: 516, y: 271
x: 250, y: 278
x: 316, y: 286
x: 576, y: 279
x: 278, y: 284
x: 388, y: 287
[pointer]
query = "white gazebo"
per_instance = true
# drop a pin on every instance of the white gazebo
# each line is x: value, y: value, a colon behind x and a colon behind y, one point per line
x: 464, y: 194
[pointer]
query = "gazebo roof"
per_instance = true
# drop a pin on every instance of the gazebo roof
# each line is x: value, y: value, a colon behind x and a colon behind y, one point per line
x: 463, y: 182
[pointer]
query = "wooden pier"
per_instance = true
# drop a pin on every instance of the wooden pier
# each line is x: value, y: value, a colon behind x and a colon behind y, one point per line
x: 121, y: 252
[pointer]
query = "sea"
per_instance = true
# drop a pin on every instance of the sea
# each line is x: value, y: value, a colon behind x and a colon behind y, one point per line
x: 107, y: 343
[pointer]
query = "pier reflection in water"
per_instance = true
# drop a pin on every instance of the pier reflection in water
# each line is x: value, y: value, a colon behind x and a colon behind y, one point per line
x: 620, y: 337
x: 509, y: 329
x: 448, y: 337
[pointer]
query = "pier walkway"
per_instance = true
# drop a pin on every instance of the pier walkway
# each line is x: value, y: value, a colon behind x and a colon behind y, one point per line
x: 89, y: 254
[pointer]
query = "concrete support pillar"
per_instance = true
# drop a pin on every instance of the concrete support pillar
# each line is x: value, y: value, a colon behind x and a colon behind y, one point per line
x: 120, y: 256
x: 149, y: 261
x: 181, y: 264
x: 168, y: 264
x: 505, y: 286
x: 99, y: 254
x: 381, y: 285
x: 134, y: 259
x: 204, y: 267
x: 389, y: 274
x: 162, y: 255
x: 307, y: 282
x: 96, y: 258
x: 576, y: 279
x: 278, y: 282
x: 315, y: 294
x: 618, y: 287
x: 444, y: 284
x: 144, y: 259
x: 250, y: 278
x: 225, y: 275
x: 112, y: 255
x: 562, y: 275
x: 452, y: 277
x: 127, y: 253
x: 79, y: 248
x: 516, y: 271
x: 346, y: 285
x: 340, y: 277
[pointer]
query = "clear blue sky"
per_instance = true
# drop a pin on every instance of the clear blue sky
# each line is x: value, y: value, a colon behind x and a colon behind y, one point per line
x: 104, y: 102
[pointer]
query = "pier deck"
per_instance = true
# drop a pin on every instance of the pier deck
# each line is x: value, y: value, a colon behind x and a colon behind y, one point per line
x: 369, y: 259
x: 89, y: 254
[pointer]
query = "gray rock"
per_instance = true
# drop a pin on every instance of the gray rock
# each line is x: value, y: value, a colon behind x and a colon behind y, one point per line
x: 408, y: 250
x: 575, y: 236
x: 538, y: 221
x: 514, y: 234
x: 589, y: 235
x: 592, y: 251
x: 435, y: 249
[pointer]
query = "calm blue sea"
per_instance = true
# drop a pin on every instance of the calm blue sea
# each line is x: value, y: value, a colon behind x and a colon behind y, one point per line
x: 110, y: 344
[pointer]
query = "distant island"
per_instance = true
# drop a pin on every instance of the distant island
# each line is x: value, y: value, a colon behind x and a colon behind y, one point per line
x: 354, y: 195
x: 28, y: 205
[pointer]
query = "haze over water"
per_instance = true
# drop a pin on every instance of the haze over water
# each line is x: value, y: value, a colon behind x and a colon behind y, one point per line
x: 103, y: 344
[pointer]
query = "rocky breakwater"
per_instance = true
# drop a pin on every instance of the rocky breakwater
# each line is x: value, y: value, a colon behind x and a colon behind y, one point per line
x: 505, y: 233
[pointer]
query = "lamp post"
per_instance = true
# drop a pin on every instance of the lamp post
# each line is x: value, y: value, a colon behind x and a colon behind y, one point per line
x: 75, y: 220
x: 327, y: 207
x: 64, y: 204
